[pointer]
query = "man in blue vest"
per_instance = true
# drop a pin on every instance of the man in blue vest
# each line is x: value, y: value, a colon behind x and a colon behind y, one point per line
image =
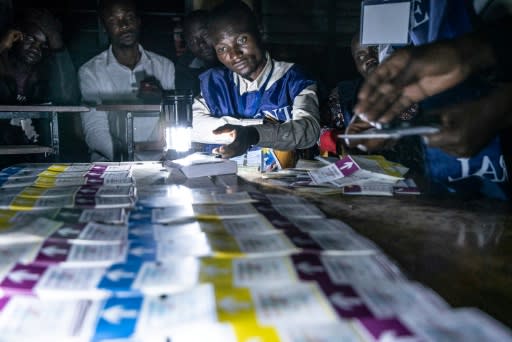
x: 253, y: 99
x: 395, y: 85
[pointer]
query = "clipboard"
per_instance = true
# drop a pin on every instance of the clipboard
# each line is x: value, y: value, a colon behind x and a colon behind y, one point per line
x: 385, y: 22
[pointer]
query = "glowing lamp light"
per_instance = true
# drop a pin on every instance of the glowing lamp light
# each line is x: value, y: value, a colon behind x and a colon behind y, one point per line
x: 176, y: 117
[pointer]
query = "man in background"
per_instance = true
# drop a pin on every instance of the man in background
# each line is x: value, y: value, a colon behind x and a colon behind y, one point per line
x: 254, y: 100
x: 199, y: 55
x: 35, y: 68
x: 115, y: 76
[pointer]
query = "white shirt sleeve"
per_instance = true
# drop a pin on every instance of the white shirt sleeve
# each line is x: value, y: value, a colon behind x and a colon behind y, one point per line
x: 204, y: 123
x: 95, y: 123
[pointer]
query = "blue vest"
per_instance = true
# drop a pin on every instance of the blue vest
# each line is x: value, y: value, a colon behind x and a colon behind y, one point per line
x: 484, y: 173
x: 223, y: 97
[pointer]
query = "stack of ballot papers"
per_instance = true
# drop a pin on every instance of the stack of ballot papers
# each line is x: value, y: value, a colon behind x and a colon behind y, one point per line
x: 200, y: 164
x: 351, y: 175
x: 203, y: 261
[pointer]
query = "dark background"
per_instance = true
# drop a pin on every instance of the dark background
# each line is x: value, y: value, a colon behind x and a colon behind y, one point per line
x: 315, y: 34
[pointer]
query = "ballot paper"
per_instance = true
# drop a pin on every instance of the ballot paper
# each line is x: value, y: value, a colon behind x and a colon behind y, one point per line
x: 90, y: 233
x: 151, y: 316
x: 370, y: 188
x: 320, y: 225
x: 251, y: 245
x: 80, y: 255
x: 14, y: 253
x: 200, y: 164
x: 26, y: 318
x: 53, y: 282
x: 112, y: 215
x: 237, y: 226
x: 188, y: 196
x: 358, y: 170
x: 333, y: 332
x: 335, y: 243
x: 35, y: 230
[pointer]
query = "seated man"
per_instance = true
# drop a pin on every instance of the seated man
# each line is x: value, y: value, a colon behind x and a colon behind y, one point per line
x: 255, y: 99
x: 199, y: 55
x: 444, y: 73
x: 34, y: 65
x: 35, y: 68
x: 115, y: 76
x: 337, y: 115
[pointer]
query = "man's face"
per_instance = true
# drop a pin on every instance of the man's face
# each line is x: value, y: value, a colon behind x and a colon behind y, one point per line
x: 365, y: 57
x: 33, y: 46
x: 196, y: 36
x: 239, y: 50
x: 122, y: 25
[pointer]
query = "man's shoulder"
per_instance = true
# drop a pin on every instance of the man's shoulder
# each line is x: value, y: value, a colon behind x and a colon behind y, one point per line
x: 98, y: 61
x: 290, y: 70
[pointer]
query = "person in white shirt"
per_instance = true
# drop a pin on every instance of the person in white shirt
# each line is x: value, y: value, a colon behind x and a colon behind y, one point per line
x: 253, y: 99
x: 114, y: 77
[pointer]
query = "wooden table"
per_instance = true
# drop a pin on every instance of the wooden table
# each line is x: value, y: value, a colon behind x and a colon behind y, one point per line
x: 461, y: 249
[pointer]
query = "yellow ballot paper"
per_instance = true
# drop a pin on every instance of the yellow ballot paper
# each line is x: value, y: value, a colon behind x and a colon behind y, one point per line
x: 227, y: 246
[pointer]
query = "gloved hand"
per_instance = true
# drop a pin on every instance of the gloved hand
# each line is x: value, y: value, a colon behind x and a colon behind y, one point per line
x: 244, y: 137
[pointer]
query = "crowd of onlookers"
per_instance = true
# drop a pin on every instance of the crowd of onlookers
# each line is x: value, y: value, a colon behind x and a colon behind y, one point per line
x: 456, y: 72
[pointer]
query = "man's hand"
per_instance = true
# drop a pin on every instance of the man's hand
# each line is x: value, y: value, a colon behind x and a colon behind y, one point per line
x: 469, y: 127
x: 150, y: 90
x: 407, y: 77
x: 9, y: 39
x: 366, y: 145
x: 244, y: 137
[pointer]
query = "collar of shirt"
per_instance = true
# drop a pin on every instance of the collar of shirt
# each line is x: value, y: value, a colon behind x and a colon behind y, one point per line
x: 112, y: 60
x: 247, y: 85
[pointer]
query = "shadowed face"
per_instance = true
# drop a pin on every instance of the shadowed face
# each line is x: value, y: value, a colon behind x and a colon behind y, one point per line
x: 33, y: 46
x: 238, y: 49
x: 196, y: 36
x: 122, y: 25
x: 365, y: 57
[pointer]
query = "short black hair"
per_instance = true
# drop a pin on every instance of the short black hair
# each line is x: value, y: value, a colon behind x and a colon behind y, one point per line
x: 199, y: 15
x: 103, y: 5
x: 234, y: 11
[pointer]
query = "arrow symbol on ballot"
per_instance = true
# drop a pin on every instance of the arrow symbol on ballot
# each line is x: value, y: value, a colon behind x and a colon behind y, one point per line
x: 116, y: 313
x: 306, y: 267
x: 117, y: 275
x: 139, y: 251
x: 67, y: 231
x: 347, y: 165
x: 19, y: 276
x: 53, y: 250
x: 345, y: 303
